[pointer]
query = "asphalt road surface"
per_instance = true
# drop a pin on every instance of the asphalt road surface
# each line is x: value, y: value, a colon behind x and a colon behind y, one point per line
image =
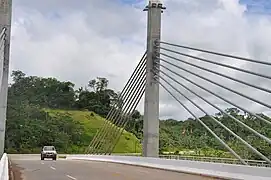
x: 31, y: 168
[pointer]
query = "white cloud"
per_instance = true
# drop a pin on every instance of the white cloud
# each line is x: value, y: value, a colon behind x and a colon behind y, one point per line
x: 78, y: 42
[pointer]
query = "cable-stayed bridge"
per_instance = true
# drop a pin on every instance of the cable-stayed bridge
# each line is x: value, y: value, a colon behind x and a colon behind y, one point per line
x: 171, y: 68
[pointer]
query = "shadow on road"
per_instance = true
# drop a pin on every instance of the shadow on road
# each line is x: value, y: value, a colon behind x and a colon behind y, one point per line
x: 15, y: 171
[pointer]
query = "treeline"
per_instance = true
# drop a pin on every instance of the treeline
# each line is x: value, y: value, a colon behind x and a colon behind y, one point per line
x: 28, y: 126
x: 52, y: 93
x: 190, y: 134
x: 191, y: 138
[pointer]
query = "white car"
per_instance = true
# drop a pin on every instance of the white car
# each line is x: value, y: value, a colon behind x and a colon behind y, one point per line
x: 48, y: 152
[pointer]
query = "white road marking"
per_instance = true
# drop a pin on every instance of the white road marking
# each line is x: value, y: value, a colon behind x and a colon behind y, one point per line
x: 143, y: 171
x: 71, y: 177
x: 52, y: 168
x: 42, y: 163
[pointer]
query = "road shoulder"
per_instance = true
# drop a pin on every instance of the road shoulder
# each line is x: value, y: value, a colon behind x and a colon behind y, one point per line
x: 15, y: 172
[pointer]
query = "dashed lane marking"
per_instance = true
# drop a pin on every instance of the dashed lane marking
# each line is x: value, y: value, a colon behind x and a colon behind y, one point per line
x: 71, y: 177
x: 52, y: 168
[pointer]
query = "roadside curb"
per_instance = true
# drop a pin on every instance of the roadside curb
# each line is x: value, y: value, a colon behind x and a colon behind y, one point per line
x: 11, y: 174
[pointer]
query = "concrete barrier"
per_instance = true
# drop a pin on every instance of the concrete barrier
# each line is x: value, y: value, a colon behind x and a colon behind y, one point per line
x: 4, y: 167
x: 218, y: 170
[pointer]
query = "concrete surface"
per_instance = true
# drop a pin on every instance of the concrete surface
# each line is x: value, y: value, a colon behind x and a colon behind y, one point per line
x: 33, y: 168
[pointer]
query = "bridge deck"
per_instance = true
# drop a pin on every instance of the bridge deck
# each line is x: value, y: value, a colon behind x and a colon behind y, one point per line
x: 33, y: 169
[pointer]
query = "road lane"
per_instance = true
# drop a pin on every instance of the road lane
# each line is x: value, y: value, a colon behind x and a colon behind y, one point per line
x: 34, y: 169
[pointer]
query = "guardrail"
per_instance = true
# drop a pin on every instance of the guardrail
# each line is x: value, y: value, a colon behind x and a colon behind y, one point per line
x: 217, y: 170
x: 216, y: 160
x: 190, y: 158
x: 4, y: 167
x: 206, y: 159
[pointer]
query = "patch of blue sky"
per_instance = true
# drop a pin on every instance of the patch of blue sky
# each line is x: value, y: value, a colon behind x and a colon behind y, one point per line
x: 260, y: 7
x: 135, y: 3
x: 132, y: 1
x: 53, y: 16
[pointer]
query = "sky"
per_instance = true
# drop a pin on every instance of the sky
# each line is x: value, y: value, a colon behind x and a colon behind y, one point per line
x: 106, y: 38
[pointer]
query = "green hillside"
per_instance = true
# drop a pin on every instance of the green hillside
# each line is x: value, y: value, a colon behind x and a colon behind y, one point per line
x: 92, y: 122
x: 70, y: 131
x: 34, y: 118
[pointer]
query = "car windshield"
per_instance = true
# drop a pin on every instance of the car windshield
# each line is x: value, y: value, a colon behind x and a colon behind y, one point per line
x: 49, y: 148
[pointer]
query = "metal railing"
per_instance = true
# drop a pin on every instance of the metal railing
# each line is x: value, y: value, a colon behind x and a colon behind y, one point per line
x: 257, y: 163
x: 217, y: 160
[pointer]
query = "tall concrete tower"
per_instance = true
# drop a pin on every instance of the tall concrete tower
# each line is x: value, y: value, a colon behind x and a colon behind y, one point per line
x: 5, y: 23
x: 151, y: 106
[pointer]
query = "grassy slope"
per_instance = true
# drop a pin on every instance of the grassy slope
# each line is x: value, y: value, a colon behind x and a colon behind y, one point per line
x: 128, y: 143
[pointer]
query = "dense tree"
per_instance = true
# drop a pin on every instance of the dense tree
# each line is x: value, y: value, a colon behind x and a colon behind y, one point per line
x: 99, y: 99
x: 29, y: 128
x: 190, y: 134
x: 51, y: 93
x: 135, y: 124
x: 45, y: 92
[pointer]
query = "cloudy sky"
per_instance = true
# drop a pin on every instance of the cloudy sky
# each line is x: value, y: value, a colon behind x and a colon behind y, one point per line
x: 80, y: 41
